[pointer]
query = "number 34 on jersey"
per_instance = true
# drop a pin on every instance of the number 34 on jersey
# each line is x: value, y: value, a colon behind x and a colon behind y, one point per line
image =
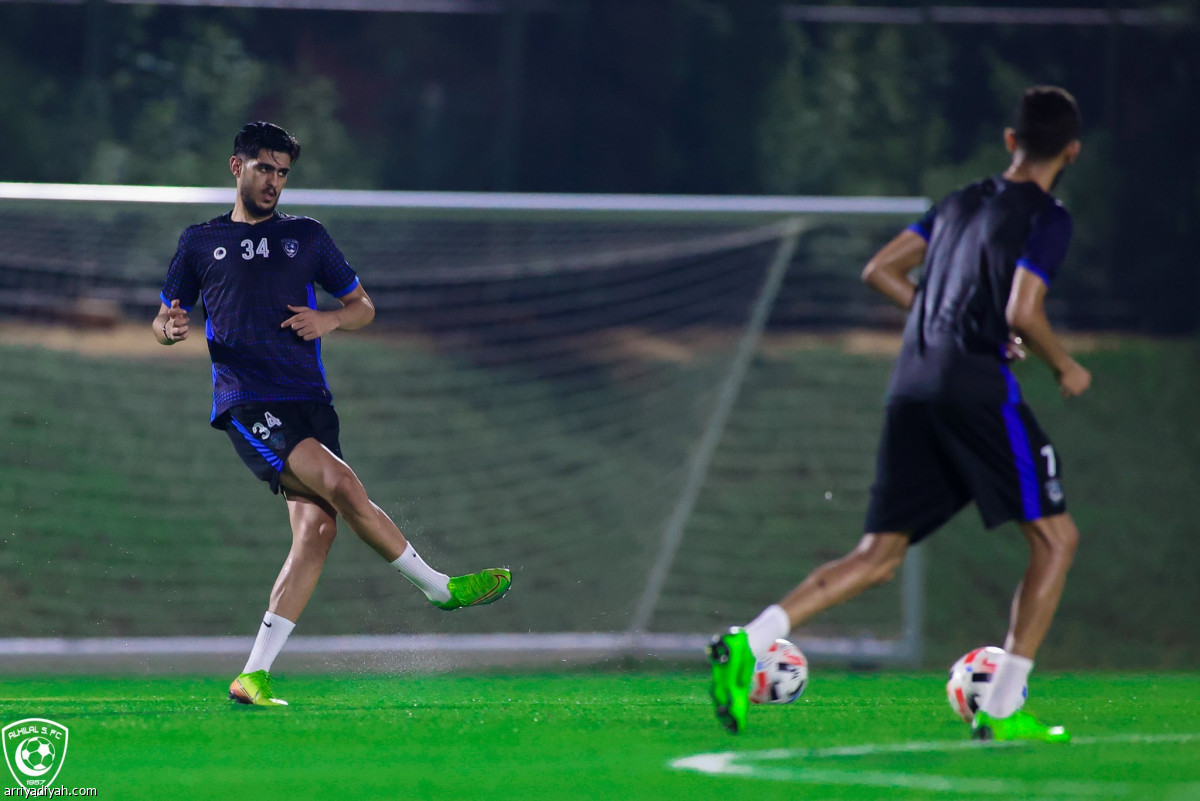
x: 249, y: 250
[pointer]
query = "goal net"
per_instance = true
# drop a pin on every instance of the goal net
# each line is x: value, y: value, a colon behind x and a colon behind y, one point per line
x: 660, y: 412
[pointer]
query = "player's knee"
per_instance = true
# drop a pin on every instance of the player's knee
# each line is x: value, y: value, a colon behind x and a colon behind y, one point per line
x: 1065, y: 541
x: 885, y: 567
x: 324, y: 535
x: 316, y: 540
x: 1057, y: 536
x: 346, y: 493
x: 877, y: 566
x: 879, y: 558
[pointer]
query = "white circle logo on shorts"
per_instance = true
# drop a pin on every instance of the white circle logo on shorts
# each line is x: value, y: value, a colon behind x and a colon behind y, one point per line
x: 219, y: 254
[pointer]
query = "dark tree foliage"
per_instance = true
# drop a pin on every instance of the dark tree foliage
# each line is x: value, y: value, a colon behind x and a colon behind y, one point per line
x: 679, y: 96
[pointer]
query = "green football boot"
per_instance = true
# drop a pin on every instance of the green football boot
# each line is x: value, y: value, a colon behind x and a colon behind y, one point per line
x: 485, y: 587
x: 254, y: 689
x: 732, y: 664
x: 1017, y: 726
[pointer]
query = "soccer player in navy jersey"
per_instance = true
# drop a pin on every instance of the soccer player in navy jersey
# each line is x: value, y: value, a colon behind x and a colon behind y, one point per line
x: 254, y: 270
x: 956, y: 429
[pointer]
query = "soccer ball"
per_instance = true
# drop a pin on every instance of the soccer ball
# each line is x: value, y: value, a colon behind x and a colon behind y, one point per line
x: 780, y: 676
x: 38, y: 754
x: 969, y: 678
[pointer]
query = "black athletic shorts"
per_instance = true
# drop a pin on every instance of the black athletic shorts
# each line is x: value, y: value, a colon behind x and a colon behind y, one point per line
x: 936, y: 457
x: 264, y: 434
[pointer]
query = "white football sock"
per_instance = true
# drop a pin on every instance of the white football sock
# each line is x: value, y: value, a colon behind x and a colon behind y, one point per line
x: 272, y: 634
x: 435, y: 585
x: 1006, y: 691
x: 770, y: 625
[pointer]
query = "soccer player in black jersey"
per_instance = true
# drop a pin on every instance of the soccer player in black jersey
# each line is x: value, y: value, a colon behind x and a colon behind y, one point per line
x: 956, y: 429
x: 254, y: 270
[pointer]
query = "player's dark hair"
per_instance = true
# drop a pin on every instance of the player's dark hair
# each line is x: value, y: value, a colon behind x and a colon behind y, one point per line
x: 1046, y: 121
x: 258, y: 135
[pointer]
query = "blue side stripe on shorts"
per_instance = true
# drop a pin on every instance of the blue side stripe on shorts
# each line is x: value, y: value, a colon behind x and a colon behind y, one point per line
x: 1014, y: 388
x: 266, y: 452
x: 1018, y: 439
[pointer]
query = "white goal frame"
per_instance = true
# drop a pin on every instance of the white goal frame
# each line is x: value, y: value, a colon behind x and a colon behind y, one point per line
x: 787, y: 213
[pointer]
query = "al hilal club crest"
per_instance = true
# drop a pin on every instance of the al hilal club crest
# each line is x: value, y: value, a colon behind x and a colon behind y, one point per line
x: 34, y: 749
x: 291, y: 247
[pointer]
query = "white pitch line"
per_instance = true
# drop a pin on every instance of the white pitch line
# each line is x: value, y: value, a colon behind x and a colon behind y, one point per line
x: 754, y: 764
x: 1149, y: 739
x: 967, y: 745
x: 905, y: 748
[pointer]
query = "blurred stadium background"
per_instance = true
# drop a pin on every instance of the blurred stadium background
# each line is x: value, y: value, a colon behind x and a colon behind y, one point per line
x: 657, y: 401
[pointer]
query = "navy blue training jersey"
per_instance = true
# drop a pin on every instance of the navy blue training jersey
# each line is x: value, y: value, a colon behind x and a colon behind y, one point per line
x: 247, y: 276
x: 956, y: 332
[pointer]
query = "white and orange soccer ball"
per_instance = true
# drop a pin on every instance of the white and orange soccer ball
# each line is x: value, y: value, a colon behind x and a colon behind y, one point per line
x: 780, y: 676
x: 969, y: 679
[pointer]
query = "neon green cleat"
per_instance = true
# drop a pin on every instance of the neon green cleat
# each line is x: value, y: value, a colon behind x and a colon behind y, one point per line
x: 732, y: 664
x: 1017, y: 726
x: 254, y: 689
x: 485, y: 587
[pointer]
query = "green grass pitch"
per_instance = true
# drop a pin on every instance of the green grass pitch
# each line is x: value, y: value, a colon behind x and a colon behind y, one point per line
x: 608, y: 735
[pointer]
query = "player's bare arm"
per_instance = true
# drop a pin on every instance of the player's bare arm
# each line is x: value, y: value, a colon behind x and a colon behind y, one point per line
x: 887, y: 272
x: 309, y: 324
x: 170, y: 324
x: 1026, y: 313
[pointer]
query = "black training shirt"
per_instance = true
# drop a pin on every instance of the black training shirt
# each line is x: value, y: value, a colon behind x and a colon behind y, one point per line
x: 955, y: 336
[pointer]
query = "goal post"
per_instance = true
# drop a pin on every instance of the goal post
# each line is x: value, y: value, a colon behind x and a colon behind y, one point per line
x: 652, y: 408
